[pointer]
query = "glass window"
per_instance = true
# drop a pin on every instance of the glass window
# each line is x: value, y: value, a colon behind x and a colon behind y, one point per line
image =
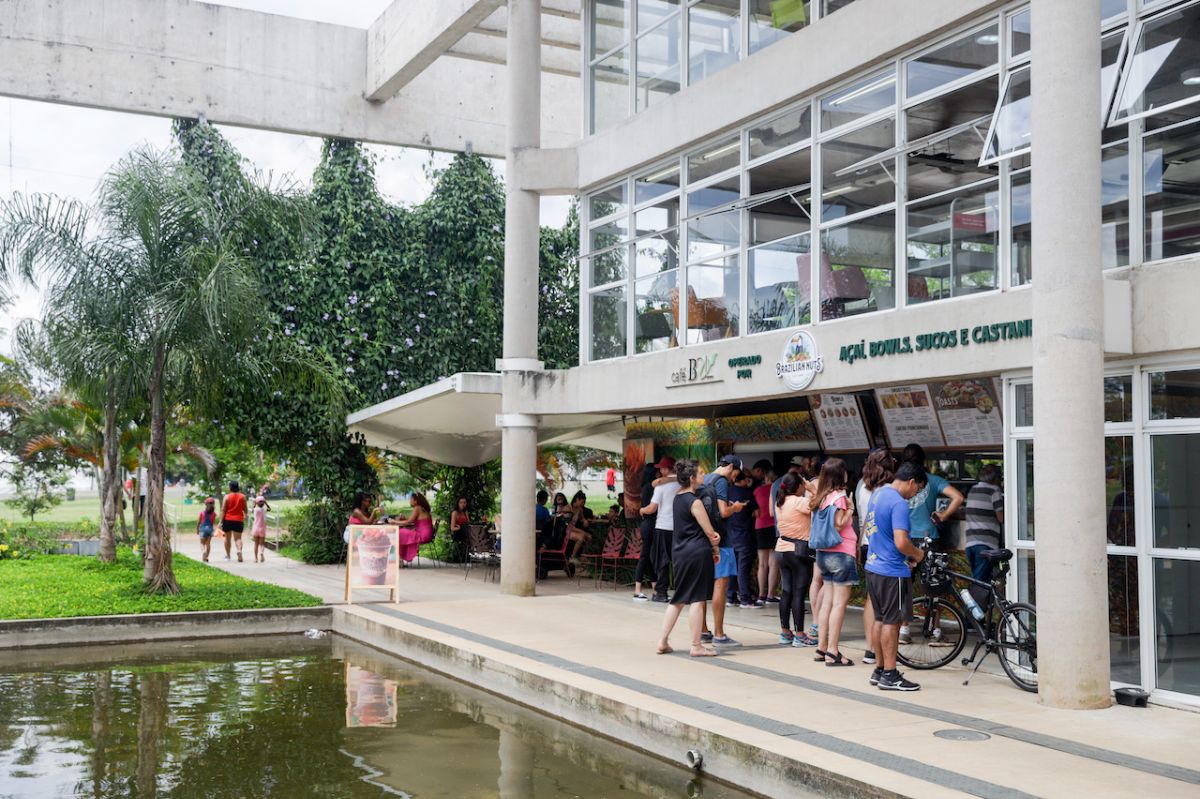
x: 1118, y: 399
x: 657, y: 217
x: 786, y: 172
x: 1118, y: 490
x: 652, y: 12
x: 1176, y: 504
x: 609, y: 266
x: 1172, y: 171
x: 610, y: 25
x: 609, y: 201
x: 829, y: 6
x: 1021, y: 241
x: 1177, y: 623
x: 772, y: 20
x: 953, y: 245
x: 714, y: 159
x: 656, y: 298
x: 779, y: 284
x: 846, y: 187
x: 862, y: 99
x: 1027, y: 575
x: 1023, y: 417
x: 1164, y: 69
x: 858, y: 267
x: 1175, y: 395
x: 656, y: 254
x: 714, y: 37
x: 657, y: 183
x: 953, y: 61
x: 1018, y: 33
x: 1011, y: 130
x: 658, y: 64
x: 610, y: 90
x: 780, y: 218
x: 714, y: 195
x: 946, y: 137
x: 1111, y: 8
x: 1110, y: 54
x: 1024, y: 475
x: 1114, y: 206
x: 712, y: 291
x: 712, y: 234
x: 777, y: 133
x: 608, y: 323
x: 609, y: 233
x: 1124, y: 627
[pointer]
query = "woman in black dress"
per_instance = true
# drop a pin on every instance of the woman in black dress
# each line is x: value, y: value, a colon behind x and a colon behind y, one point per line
x: 694, y: 557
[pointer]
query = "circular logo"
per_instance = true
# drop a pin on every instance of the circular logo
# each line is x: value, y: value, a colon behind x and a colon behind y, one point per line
x: 799, y: 364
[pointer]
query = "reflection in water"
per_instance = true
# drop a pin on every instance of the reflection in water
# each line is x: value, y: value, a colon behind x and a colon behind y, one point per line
x: 236, y: 719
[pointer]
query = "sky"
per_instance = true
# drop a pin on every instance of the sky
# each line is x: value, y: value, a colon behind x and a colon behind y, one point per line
x: 64, y: 150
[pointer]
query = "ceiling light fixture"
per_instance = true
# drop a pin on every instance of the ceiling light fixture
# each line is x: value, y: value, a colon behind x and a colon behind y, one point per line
x: 1190, y: 77
x: 988, y: 39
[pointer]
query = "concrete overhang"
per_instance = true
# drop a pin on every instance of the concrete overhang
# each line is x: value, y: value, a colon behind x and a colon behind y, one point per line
x: 453, y: 421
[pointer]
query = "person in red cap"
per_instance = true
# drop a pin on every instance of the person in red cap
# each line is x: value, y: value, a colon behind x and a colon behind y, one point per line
x: 660, y: 508
x: 206, y: 525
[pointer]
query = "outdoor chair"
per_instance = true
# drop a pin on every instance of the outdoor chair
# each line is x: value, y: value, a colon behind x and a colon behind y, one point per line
x: 481, y: 551
x: 607, y: 556
x: 437, y: 526
x: 553, y: 554
x: 629, y: 558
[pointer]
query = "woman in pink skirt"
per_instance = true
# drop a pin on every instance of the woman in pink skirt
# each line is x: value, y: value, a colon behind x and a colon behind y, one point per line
x: 421, y: 523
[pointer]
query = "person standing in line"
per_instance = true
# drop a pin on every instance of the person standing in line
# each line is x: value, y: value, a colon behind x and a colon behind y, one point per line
x: 809, y: 470
x: 837, y: 563
x: 662, y: 510
x: 794, y: 522
x: 922, y: 509
x: 646, y: 558
x: 610, y: 481
x: 796, y: 467
x: 985, y: 521
x: 879, y: 470
x: 695, y: 553
x: 764, y: 533
x: 742, y: 538
x: 258, y: 528
x: 889, y: 577
x: 206, y: 525
x: 233, y: 518
x: 719, y: 483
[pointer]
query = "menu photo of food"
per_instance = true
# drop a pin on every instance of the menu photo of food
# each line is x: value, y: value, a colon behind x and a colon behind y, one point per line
x: 839, y: 423
x: 909, y: 416
x: 969, y: 412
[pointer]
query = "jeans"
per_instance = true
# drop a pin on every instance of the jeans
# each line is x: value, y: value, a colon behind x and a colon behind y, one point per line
x: 980, y: 569
x: 662, y: 561
x: 645, y: 564
x: 744, y: 550
x: 795, y: 575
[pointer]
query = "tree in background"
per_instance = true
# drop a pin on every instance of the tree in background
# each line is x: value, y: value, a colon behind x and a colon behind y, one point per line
x: 37, y: 486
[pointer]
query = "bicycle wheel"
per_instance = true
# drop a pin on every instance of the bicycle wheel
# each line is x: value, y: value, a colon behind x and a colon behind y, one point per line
x: 938, y: 633
x: 1017, y: 634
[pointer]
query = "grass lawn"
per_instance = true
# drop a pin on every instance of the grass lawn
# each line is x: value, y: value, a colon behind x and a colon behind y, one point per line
x: 57, y: 586
x: 88, y: 507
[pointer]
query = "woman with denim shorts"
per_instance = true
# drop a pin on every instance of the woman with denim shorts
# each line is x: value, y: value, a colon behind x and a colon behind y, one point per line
x: 837, y: 564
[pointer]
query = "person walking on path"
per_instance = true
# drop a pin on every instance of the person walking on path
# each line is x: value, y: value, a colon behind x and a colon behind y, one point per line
x: 878, y: 471
x: 206, y: 525
x: 719, y: 483
x: 922, y: 508
x: 610, y: 481
x: 985, y: 521
x: 258, y: 528
x: 837, y: 563
x: 889, y: 578
x: 233, y: 518
x: 764, y: 533
x: 794, y: 521
x: 695, y: 554
x: 645, y: 568
x: 662, y: 510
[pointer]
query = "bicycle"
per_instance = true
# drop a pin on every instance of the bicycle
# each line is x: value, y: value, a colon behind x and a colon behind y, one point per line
x: 942, y: 621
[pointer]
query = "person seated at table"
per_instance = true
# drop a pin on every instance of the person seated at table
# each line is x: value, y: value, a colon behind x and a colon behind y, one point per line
x: 616, y: 511
x: 561, y: 506
x: 459, y: 519
x: 543, y: 520
x: 421, y: 522
x: 364, y: 510
x: 581, y: 521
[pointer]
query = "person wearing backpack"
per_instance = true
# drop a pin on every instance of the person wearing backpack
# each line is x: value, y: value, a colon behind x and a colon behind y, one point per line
x: 833, y: 537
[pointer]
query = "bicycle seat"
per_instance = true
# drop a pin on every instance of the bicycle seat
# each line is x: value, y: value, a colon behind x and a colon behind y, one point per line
x: 997, y: 555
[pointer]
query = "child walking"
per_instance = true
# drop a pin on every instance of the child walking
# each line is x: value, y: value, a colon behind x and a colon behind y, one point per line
x: 258, y: 530
x: 206, y: 524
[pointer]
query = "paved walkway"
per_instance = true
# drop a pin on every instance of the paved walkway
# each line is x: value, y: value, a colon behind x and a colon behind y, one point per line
x: 780, y: 700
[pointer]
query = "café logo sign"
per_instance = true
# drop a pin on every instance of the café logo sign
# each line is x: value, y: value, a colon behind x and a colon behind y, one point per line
x: 698, y: 370
x: 799, y: 364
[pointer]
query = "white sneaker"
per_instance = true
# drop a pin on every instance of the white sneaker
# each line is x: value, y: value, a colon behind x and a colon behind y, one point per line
x: 905, y: 637
x: 640, y: 598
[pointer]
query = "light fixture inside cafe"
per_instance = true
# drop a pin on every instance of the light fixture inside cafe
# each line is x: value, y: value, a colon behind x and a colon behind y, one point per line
x: 987, y: 39
x: 1190, y: 77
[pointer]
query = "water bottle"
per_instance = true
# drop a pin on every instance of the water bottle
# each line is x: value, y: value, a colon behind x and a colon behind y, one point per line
x: 971, y: 604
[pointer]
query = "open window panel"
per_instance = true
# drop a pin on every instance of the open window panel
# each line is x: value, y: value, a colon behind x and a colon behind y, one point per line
x: 1162, y: 71
x: 1011, y: 131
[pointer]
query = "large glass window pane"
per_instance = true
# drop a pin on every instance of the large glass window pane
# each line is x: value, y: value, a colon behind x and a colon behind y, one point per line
x: 777, y: 133
x: 786, y: 172
x: 1176, y: 472
x: 953, y: 61
x: 656, y: 298
x: 1026, y: 576
x: 658, y: 67
x: 656, y: 183
x: 713, y: 159
x: 608, y: 323
x: 1114, y: 206
x: 1021, y: 242
x: 829, y: 6
x: 1177, y: 624
x: 609, y: 233
x: 656, y: 254
x: 1164, y: 67
x: 953, y: 245
x: 862, y: 99
x: 1012, y: 131
x: 657, y: 217
x: 711, y: 234
x: 1172, y: 173
x: 781, y: 218
x: 610, y: 90
x: 949, y: 131
x: 610, y: 25
x: 1175, y: 395
x: 609, y: 266
x: 609, y: 201
x: 713, y: 300
x: 848, y: 189
x: 1019, y: 33
x: 1024, y: 475
x: 714, y: 37
x: 1118, y: 490
x: 652, y: 12
x: 1111, y: 8
x: 858, y: 267
x: 779, y: 284
x: 1023, y: 412
x: 772, y: 20
x: 1118, y: 399
x: 1124, y: 627
x: 714, y: 195
x: 1110, y: 52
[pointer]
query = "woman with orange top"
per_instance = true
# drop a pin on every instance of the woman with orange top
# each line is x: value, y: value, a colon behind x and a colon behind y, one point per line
x: 233, y: 518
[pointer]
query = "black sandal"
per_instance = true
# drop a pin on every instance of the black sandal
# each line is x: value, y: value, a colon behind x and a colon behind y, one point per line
x: 838, y: 659
x: 820, y: 656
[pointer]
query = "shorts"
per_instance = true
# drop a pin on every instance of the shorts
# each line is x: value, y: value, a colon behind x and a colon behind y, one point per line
x: 891, y: 598
x: 838, y: 568
x: 765, y: 537
x: 611, y: 487
x: 728, y: 565
x: 205, y: 535
x: 234, y: 526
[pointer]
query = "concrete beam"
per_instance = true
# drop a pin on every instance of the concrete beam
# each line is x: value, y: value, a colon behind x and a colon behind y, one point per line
x: 181, y: 58
x: 491, y: 50
x: 410, y: 35
x: 548, y: 172
x: 557, y: 30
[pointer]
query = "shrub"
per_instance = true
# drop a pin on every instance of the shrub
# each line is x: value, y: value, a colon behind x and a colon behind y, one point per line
x: 315, y: 531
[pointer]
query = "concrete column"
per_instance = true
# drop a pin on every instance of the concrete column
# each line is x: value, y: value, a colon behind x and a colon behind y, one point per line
x: 1068, y: 360
x: 521, y: 230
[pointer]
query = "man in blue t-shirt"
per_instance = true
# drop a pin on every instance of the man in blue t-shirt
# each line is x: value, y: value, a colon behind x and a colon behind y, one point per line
x: 889, y: 577
x: 924, y: 517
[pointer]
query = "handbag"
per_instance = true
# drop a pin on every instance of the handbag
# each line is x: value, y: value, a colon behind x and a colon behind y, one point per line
x: 824, y: 534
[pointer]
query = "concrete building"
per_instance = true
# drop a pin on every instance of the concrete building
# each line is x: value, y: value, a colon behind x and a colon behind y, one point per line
x: 831, y: 210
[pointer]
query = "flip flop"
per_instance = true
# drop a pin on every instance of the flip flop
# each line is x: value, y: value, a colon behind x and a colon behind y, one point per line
x: 838, y: 660
x: 704, y: 653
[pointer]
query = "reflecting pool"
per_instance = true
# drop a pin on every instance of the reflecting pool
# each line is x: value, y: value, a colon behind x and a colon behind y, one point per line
x: 287, y: 717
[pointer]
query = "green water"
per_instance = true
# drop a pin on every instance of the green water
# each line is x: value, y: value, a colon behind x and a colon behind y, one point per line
x: 284, y: 717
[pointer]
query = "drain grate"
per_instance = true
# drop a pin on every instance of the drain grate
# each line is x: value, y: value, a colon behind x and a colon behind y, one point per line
x: 962, y: 735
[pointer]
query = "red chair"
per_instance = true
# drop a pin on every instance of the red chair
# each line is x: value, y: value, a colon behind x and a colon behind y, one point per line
x: 555, y: 556
x: 633, y: 553
x: 607, y: 556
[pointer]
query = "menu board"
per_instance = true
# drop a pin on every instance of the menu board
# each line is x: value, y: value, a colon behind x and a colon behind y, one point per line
x: 969, y: 412
x: 840, y: 422
x: 909, y: 417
